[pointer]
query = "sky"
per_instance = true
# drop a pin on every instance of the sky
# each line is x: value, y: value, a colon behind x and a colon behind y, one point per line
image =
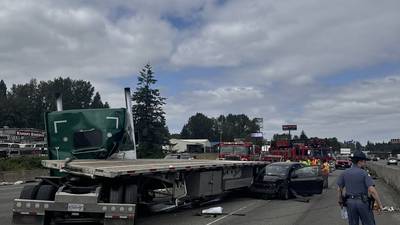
x: 331, y: 67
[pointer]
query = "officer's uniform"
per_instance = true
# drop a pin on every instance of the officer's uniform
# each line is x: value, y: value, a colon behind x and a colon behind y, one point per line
x: 356, y: 181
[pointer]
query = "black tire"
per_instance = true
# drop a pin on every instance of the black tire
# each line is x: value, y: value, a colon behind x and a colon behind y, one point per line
x: 117, y: 194
x: 46, y: 192
x: 131, y: 194
x: 29, y: 192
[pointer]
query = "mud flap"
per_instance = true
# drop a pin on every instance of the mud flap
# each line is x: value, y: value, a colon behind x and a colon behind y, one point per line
x: 22, y: 219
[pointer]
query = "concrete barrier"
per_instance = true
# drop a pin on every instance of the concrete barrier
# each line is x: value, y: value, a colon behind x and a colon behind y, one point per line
x: 22, y: 175
x: 390, y: 174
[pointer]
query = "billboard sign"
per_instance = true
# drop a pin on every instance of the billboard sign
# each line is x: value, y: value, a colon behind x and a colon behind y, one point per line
x: 29, y: 133
x: 289, y: 127
x: 257, y: 135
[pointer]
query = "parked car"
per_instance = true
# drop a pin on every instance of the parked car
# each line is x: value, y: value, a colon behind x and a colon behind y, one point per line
x: 342, y: 162
x: 375, y: 159
x: 179, y: 156
x: 282, y: 179
x: 392, y: 161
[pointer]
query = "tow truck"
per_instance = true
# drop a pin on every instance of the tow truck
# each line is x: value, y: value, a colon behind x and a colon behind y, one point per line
x: 96, y: 178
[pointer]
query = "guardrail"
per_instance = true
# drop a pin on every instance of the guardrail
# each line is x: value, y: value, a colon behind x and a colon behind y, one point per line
x: 390, y: 174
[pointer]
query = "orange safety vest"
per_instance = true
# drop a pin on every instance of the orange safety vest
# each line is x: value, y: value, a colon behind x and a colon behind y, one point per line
x: 325, y: 168
x: 314, y: 162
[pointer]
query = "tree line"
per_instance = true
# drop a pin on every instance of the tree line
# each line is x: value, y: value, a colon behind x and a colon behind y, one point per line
x: 24, y: 105
x: 390, y: 148
x: 221, y: 128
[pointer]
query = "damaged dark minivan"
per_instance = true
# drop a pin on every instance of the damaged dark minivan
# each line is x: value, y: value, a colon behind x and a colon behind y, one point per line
x: 287, y: 179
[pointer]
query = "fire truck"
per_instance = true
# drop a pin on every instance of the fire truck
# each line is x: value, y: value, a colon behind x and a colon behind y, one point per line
x: 318, y: 148
x: 289, y: 150
x: 243, y: 151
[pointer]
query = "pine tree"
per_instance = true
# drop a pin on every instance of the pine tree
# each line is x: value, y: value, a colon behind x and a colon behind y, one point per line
x: 303, y: 135
x: 3, y: 103
x: 148, y: 116
x: 96, y: 103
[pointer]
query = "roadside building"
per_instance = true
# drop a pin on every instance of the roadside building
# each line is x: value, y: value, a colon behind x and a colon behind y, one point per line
x: 189, y: 145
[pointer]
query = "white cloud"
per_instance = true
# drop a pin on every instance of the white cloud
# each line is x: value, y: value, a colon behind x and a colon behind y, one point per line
x: 46, y: 40
x: 295, y: 39
x: 265, y: 57
x: 362, y: 111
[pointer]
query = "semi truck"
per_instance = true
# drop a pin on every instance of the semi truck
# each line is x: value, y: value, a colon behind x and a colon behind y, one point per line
x: 95, y: 176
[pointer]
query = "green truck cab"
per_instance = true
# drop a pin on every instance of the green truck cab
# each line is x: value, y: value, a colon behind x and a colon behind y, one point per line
x: 85, y: 134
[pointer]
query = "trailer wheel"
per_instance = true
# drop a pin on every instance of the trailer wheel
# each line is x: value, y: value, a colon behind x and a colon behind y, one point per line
x: 29, y: 192
x: 117, y: 194
x: 131, y: 193
x: 46, y: 192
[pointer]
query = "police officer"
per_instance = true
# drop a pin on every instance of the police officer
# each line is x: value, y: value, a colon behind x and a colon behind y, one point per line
x: 358, y: 186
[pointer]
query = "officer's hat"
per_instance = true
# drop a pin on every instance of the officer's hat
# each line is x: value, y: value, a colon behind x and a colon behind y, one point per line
x: 360, y: 155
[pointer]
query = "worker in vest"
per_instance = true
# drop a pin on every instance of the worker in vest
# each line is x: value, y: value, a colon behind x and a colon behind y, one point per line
x: 325, y: 173
x: 314, y: 162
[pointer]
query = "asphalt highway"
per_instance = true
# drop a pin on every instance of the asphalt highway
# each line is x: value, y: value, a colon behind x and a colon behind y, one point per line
x: 240, y: 209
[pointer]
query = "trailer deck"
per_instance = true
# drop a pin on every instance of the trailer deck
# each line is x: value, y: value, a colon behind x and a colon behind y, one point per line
x: 115, y: 168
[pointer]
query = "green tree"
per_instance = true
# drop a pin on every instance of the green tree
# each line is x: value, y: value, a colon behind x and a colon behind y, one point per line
x: 283, y: 136
x: 199, y: 126
x: 25, y: 104
x: 3, y: 103
x: 238, y: 126
x: 224, y: 128
x: 148, y: 116
x: 303, y: 135
x: 96, y: 103
x: 3, y: 90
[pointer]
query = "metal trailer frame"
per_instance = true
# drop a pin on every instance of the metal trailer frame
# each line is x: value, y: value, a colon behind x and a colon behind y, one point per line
x: 186, y: 179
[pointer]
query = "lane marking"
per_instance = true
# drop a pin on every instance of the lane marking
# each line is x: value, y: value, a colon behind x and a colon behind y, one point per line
x: 230, y: 214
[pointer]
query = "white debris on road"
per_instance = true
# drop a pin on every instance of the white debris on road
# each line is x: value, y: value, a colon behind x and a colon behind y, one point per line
x: 213, y: 210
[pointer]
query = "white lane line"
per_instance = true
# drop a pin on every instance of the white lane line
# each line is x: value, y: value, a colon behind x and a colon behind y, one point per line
x: 237, y: 210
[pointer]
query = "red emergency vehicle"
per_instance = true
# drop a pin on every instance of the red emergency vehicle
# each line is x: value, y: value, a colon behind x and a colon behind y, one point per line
x: 319, y: 149
x: 289, y: 150
x: 244, y: 151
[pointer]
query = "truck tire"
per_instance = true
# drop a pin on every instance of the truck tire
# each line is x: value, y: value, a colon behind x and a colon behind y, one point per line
x: 117, y: 194
x: 131, y: 194
x: 29, y: 192
x: 46, y: 192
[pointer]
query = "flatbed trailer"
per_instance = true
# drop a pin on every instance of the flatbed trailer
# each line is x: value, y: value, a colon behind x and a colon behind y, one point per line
x: 110, y: 191
x: 115, y: 168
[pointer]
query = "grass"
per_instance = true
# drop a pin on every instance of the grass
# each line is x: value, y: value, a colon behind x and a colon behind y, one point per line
x: 21, y: 163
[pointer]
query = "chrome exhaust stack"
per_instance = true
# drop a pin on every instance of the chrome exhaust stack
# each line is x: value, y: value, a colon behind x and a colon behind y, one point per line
x: 59, y: 102
x: 130, y: 154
